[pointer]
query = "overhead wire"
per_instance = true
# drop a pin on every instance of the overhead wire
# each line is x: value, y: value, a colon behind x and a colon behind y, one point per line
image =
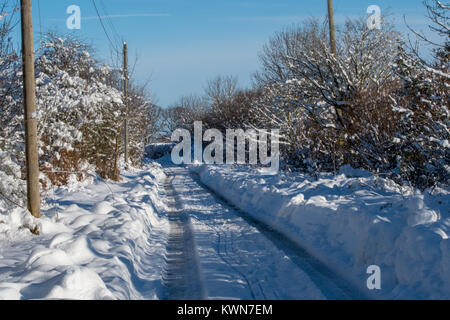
x: 118, y: 38
x: 113, y: 46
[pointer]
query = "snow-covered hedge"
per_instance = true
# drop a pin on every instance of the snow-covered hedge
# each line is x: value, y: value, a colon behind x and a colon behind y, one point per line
x: 374, y: 105
x: 80, y: 113
x: 350, y: 222
x: 12, y: 187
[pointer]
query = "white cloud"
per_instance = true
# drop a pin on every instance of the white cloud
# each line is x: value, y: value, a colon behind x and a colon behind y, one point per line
x: 115, y: 16
x: 121, y: 16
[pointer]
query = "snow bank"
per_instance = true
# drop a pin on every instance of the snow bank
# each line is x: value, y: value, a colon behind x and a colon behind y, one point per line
x: 100, y: 241
x: 350, y: 222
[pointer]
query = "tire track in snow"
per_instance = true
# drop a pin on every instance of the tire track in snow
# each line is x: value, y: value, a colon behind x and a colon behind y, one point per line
x: 228, y: 258
x: 330, y: 283
x: 238, y: 261
x: 225, y: 249
x: 181, y: 276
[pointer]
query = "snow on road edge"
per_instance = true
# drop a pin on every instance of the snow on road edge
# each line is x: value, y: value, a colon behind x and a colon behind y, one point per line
x: 98, y: 241
x: 350, y: 222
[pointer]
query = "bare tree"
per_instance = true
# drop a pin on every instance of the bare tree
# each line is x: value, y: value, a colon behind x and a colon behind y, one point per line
x: 221, y: 89
x: 438, y: 14
x: 300, y: 58
x: 439, y: 21
x: 309, y: 92
x: 195, y: 106
x: 8, y: 21
x: 174, y: 118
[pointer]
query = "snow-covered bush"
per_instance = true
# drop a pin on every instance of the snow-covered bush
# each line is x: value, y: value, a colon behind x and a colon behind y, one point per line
x: 424, y: 125
x: 80, y: 113
x: 424, y: 104
x: 309, y: 92
x: 373, y: 105
x: 12, y: 187
x: 144, y: 122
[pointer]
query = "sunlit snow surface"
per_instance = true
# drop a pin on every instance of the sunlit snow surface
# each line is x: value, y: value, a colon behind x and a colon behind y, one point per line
x: 100, y: 241
x: 351, y: 221
x: 247, y: 234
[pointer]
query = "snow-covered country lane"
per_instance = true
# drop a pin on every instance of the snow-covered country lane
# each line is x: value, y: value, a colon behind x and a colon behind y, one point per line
x: 157, y: 234
x: 239, y: 258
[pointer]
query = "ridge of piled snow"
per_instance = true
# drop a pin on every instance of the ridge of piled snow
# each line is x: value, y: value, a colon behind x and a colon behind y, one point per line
x: 350, y: 222
x: 100, y: 241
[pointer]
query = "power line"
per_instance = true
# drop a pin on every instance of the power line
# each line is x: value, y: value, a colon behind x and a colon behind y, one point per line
x: 118, y: 38
x: 104, y: 28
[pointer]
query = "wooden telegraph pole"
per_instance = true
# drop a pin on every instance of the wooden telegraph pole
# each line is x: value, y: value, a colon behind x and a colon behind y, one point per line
x: 29, y: 92
x: 339, y: 110
x: 125, y: 89
x: 331, y: 24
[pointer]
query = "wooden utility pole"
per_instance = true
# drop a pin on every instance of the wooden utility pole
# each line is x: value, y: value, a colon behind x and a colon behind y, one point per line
x: 29, y: 93
x: 125, y: 89
x: 331, y: 24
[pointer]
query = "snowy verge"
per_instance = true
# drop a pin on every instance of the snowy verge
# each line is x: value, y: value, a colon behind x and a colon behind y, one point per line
x: 350, y: 222
x: 97, y: 241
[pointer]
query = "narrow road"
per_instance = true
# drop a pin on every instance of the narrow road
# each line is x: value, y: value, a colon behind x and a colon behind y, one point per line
x: 221, y: 253
x: 181, y: 272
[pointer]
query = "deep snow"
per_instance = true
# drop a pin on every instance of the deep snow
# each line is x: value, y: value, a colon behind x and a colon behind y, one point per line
x: 228, y: 232
x: 98, y: 241
x: 350, y: 222
x: 237, y: 260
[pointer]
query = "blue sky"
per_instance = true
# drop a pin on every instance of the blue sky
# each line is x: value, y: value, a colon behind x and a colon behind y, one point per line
x: 180, y: 44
